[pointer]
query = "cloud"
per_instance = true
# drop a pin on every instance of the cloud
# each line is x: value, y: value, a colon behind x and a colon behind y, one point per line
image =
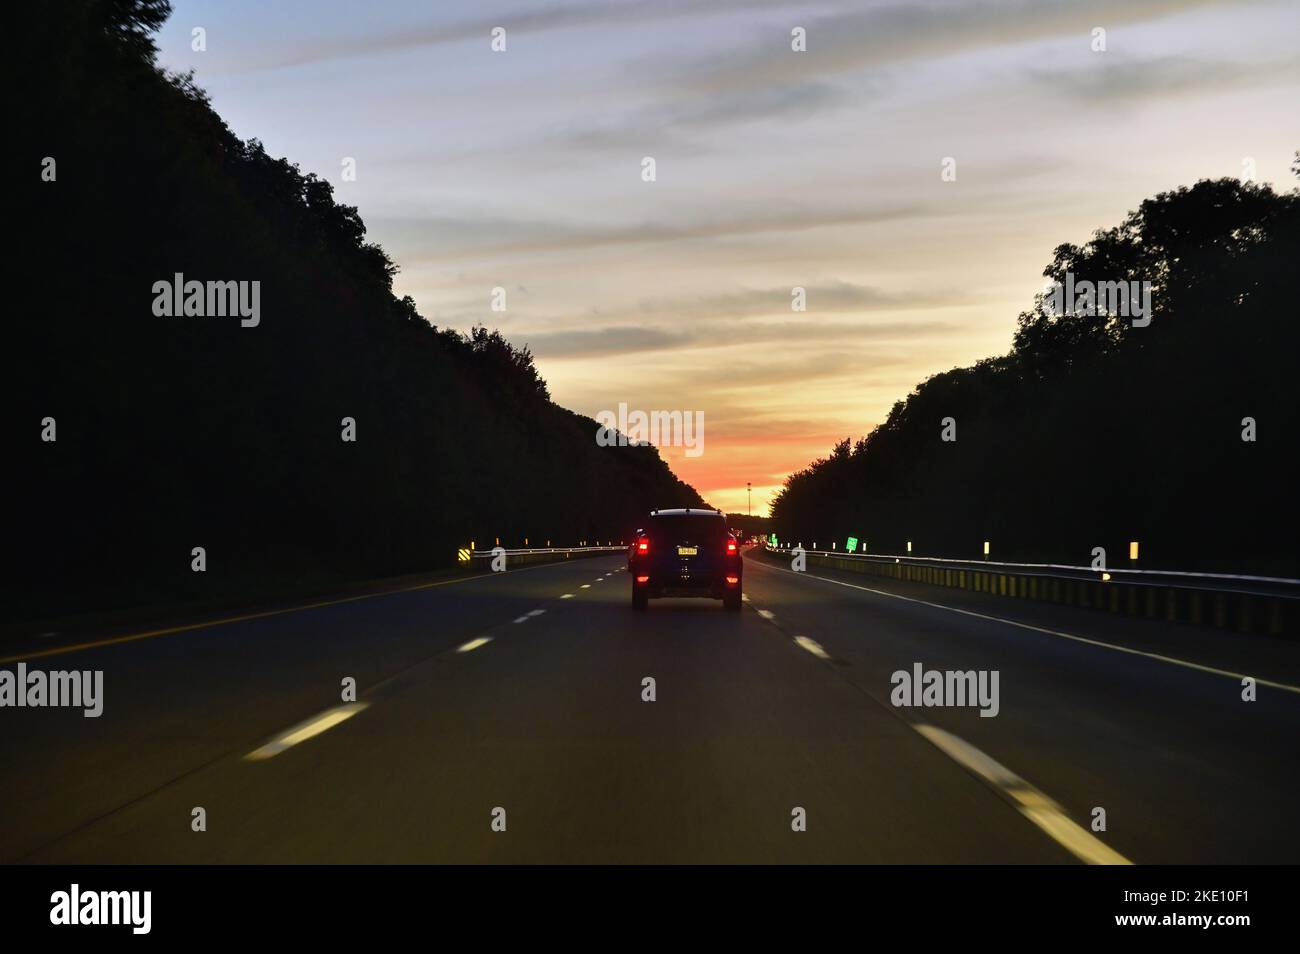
x: 744, y: 317
x: 611, y: 340
x: 835, y: 296
x: 860, y: 35
x: 879, y: 35
x: 473, y: 237
x: 597, y: 342
x: 1167, y: 76
x: 679, y: 123
x: 530, y: 20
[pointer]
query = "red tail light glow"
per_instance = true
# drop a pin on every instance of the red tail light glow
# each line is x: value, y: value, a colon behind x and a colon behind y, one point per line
x: 731, y: 546
x: 643, y: 545
x: 643, y: 579
x: 733, y: 580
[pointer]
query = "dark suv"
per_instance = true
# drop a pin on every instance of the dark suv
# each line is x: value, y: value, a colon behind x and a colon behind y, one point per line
x: 686, y: 553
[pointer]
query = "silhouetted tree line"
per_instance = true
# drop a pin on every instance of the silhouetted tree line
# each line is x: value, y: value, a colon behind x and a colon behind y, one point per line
x: 176, y: 432
x: 1092, y: 432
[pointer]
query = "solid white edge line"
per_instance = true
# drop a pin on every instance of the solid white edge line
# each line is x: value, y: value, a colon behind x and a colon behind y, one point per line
x: 305, y: 730
x: 1052, y: 632
x: 1032, y: 803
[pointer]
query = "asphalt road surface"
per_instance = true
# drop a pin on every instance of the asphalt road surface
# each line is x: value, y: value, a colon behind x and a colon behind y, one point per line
x: 519, y: 699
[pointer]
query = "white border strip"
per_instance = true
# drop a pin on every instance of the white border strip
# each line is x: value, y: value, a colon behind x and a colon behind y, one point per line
x: 1187, y: 664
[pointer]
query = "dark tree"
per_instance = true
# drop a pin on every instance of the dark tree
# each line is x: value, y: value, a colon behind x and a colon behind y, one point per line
x: 179, y: 432
x: 1093, y: 432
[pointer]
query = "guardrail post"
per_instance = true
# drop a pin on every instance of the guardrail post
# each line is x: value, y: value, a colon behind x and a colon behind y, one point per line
x: 1189, y: 600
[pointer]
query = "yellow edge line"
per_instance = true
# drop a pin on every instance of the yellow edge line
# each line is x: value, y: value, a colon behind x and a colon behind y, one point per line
x: 190, y: 627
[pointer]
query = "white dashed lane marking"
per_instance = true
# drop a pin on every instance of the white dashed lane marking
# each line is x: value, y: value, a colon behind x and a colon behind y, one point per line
x: 306, y: 730
x: 814, y: 647
x: 1032, y: 803
x: 766, y: 614
x: 474, y: 644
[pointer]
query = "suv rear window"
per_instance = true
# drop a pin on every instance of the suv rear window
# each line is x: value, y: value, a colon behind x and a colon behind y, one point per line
x: 687, y: 527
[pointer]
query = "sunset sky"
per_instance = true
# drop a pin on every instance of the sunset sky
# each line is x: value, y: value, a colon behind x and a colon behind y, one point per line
x: 821, y: 169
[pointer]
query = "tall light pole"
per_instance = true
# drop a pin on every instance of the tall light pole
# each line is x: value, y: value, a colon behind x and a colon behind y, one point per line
x: 749, y: 495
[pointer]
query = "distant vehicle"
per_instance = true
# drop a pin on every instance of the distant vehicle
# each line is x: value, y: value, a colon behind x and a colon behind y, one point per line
x: 686, y: 553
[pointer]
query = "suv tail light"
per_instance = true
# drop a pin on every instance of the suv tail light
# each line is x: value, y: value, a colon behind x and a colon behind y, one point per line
x: 731, y: 546
x: 643, y: 545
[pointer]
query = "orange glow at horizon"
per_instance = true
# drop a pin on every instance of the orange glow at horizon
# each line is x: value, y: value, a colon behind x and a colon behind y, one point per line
x: 720, y: 473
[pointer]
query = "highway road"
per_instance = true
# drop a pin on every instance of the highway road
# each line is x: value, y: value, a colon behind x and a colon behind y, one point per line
x: 525, y: 692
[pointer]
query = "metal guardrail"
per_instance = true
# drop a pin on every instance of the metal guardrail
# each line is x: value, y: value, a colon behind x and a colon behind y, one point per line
x: 1229, y: 601
x: 526, y: 555
x: 1228, y: 582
